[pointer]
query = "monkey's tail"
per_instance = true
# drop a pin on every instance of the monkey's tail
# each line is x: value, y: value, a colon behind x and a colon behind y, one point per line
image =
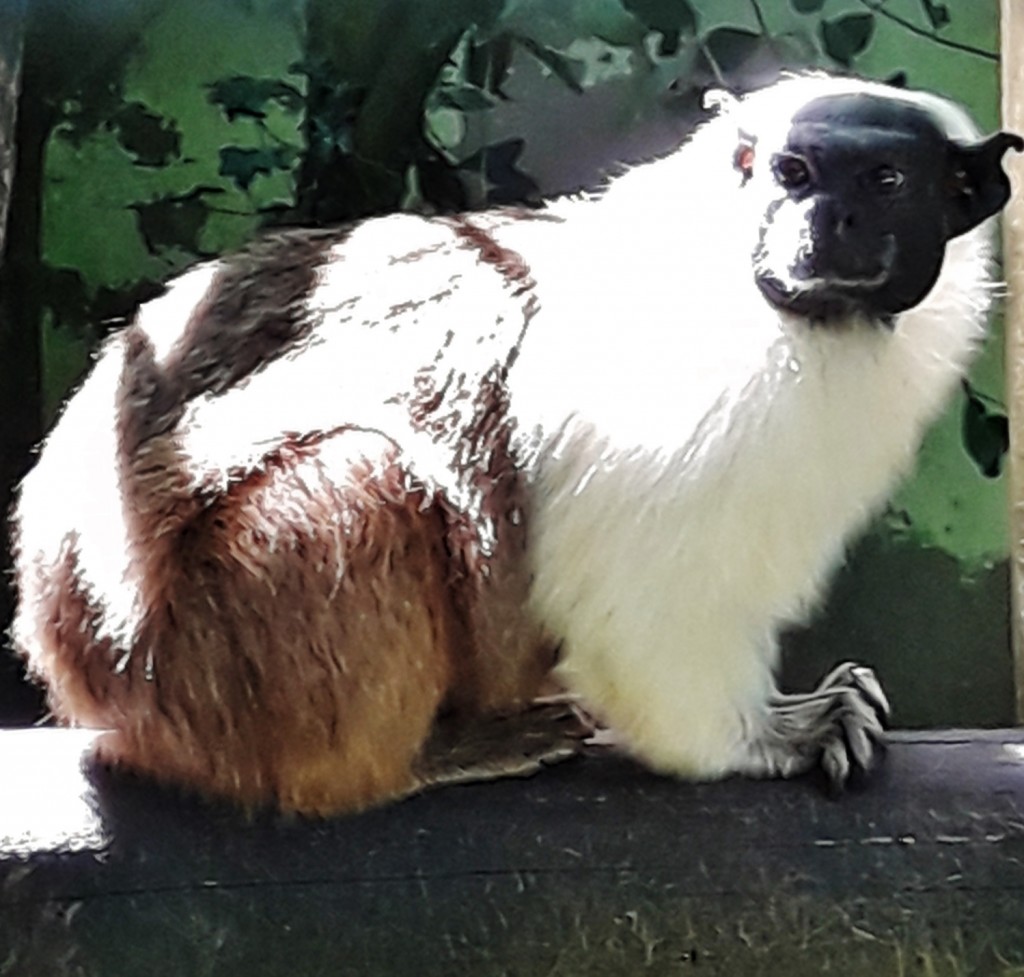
x: 157, y: 490
x: 245, y: 311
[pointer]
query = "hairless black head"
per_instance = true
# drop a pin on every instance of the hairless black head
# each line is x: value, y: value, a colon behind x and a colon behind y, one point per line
x: 877, y: 189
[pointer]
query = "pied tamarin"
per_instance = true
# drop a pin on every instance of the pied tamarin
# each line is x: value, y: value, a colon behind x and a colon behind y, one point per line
x: 327, y: 505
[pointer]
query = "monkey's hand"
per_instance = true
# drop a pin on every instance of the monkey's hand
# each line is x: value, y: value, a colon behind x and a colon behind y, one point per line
x: 839, y: 726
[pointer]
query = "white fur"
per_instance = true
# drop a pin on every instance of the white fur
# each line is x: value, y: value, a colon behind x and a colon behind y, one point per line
x: 702, y: 459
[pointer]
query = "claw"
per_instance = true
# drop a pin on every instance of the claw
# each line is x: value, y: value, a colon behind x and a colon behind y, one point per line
x: 840, y: 725
x: 836, y: 764
x: 861, y: 745
x: 872, y: 690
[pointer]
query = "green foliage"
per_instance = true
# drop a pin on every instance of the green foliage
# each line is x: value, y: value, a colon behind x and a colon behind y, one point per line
x: 731, y: 49
x: 986, y: 432
x: 242, y: 165
x: 674, y: 20
x: 175, y: 220
x: 149, y: 138
x: 847, y: 36
x: 937, y: 13
x: 503, y: 181
x: 243, y: 95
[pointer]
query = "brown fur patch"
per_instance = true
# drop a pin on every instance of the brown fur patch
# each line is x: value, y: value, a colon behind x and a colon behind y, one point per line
x: 301, y: 643
x: 255, y: 311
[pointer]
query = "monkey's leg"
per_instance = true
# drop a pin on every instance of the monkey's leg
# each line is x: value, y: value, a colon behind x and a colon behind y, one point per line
x: 840, y: 726
x: 491, y: 747
x: 298, y: 643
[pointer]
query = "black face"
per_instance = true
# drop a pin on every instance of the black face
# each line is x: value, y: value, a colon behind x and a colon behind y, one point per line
x: 870, y: 190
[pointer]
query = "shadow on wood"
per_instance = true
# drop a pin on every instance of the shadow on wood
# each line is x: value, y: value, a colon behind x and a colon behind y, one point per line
x: 592, y: 868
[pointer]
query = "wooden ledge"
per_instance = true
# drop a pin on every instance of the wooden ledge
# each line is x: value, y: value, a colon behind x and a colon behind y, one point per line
x: 593, y: 868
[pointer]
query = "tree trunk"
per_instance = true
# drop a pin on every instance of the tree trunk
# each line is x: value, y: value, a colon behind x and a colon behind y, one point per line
x: 11, y: 18
x: 22, y: 141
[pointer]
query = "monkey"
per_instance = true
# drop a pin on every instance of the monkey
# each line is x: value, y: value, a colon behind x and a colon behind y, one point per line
x: 332, y: 506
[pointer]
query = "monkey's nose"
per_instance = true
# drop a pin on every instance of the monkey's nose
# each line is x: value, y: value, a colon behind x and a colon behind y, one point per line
x: 844, y: 251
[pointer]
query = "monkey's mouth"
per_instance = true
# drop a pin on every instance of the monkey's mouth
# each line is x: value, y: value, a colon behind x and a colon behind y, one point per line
x: 820, y: 302
x: 833, y: 294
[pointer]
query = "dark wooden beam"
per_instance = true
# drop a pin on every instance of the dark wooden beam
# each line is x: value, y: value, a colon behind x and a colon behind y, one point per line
x: 591, y: 868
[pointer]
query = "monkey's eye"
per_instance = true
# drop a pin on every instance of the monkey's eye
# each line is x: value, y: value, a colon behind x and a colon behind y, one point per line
x: 791, y: 171
x: 886, y: 179
x: 744, y: 160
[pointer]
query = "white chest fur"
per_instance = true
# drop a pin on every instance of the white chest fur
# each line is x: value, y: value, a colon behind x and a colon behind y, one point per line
x: 700, y: 477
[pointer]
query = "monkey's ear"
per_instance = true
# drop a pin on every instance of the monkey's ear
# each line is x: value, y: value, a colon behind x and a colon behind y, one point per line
x: 976, y: 185
x: 718, y: 100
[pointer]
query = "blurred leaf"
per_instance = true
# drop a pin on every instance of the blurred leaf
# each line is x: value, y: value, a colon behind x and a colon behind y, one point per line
x: 413, y: 199
x: 331, y: 125
x: 670, y: 18
x: 174, y: 221
x: 807, y: 6
x: 937, y: 13
x: 986, y: 434
x: 438, y: 186
x: 81, y: 119
x: 846, y: 37
x: 569, y: 70
x: 244, y: 95
x: 601, y: 62
x: 244, y: 165
x: 731, y: 48
x: 503, y: 182
x: 150, y: 138
x: 445, y: 128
